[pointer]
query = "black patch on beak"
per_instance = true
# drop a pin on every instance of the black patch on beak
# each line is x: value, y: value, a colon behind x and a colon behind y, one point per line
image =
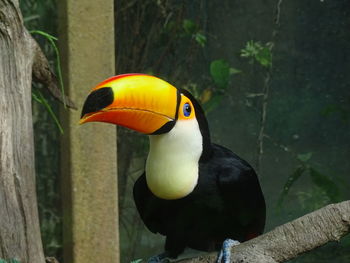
x: 97, y: 100
x: 165, y: 128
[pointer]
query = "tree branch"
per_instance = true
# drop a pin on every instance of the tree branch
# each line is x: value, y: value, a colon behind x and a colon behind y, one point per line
x: 43, y: 74
x: 286, y: 242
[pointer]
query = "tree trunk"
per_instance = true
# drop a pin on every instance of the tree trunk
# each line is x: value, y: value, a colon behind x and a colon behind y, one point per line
x: 19, y: 225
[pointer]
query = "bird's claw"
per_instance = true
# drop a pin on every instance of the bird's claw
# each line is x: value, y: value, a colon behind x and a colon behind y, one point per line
x: 225, y: 252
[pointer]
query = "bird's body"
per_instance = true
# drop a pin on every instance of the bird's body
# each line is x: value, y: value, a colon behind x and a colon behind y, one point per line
x: 226, y: 203
x: 196, y: 193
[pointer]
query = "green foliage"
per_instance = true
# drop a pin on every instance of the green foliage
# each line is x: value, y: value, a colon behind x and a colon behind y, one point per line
x: 290, y: 181
x: 38, y: 97
x: 39, y: 14
x: 200, y: 38
x: 220, y: 72
x: 304, y: 157
x: 256, y: 51
x: 337, y: 110
x: 9, y: 261
x: 324, y: 186
x: 210, y: 97
x: 312, y: 199
x: 192, y: 29
x: 189, y: 26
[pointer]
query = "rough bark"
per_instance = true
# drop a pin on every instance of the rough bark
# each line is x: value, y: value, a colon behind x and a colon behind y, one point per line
x: 19, y: 225
x: 292, y: 239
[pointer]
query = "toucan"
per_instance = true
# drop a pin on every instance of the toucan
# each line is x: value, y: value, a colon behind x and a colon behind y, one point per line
x: 198, y: 194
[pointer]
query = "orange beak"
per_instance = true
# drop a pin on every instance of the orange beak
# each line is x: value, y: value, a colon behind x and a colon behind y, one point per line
x: 140, y: 102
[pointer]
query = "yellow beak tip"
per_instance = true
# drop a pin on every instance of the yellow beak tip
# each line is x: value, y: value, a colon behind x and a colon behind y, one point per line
x: 81, y: 121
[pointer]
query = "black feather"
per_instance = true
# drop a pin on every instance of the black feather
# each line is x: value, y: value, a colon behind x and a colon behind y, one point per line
x: 226, y: 203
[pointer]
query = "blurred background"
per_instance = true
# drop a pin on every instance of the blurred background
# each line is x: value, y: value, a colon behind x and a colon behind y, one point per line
x: 273, y: 78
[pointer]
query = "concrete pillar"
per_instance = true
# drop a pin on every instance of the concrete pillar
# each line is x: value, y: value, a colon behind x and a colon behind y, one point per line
x: 89, y: 169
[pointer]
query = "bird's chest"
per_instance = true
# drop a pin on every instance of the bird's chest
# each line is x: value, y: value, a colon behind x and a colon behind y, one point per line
x: 170, y: 176
x: 172, y: 162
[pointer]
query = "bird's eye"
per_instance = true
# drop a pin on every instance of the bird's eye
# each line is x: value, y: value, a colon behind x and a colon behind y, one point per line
x: 187, y: 109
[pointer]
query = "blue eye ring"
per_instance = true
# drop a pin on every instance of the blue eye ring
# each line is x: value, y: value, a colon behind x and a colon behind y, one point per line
x: 187, y: 109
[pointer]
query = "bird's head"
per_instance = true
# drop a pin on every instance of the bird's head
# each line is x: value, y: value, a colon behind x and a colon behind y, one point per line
x: 140, y: 102
x: 143, y: 103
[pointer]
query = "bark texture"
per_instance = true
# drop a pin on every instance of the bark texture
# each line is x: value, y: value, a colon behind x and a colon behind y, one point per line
x: 292, y: 239
x: 19, y: 225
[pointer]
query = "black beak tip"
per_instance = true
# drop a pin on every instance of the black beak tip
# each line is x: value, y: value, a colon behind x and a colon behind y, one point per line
x: 97, y: 100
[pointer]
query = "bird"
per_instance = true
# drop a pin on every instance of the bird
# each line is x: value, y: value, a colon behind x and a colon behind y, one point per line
x: 198, y: 194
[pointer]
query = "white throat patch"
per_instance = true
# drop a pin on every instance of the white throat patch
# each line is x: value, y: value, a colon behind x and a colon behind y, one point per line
x: 172, y: 162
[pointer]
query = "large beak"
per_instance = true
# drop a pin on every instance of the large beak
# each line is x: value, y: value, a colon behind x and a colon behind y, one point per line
x: 140, y: 102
